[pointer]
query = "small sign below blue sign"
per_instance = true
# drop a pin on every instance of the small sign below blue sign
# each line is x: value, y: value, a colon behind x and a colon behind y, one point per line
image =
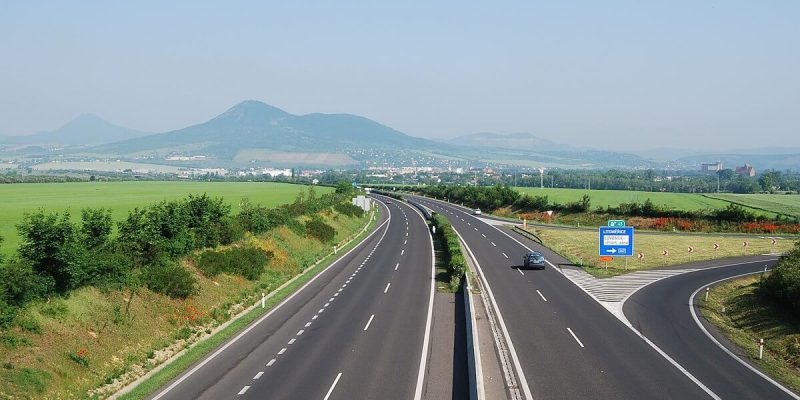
x: 616, y: 223
x: 616, y: 241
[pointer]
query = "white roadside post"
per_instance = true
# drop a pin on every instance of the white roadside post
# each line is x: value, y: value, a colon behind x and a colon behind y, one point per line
x: 761, y: 349
x: 263, y: 300
x: 707, y: 290
x: 334, y: 249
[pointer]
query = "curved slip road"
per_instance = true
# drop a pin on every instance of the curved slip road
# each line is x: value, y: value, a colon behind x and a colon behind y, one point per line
x: 568, y: 345
x: 661, y: 312
x: 357, y: 331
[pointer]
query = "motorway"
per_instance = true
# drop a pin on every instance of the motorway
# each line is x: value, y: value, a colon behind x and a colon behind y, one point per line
x: 661, y: 312
x: 359, y: 330
x: 567, y: 345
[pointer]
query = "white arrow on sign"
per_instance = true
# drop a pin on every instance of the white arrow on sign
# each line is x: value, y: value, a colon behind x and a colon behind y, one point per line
x: 612, y: 251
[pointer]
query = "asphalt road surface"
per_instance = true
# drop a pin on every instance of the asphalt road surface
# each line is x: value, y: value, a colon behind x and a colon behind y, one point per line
x: 567, y: 345
x: 661, y: 312
x: 358, y: 331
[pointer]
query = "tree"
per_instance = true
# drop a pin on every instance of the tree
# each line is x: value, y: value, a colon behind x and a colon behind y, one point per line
x: 344, y: 187
x: 96, y: 226
x: 51, y: 245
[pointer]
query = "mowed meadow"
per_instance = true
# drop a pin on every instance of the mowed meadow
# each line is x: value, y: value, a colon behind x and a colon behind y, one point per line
x: 121, y: 197
x: 760, y: 204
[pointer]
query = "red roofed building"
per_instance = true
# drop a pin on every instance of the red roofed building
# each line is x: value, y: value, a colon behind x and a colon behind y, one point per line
x: 747, y: 169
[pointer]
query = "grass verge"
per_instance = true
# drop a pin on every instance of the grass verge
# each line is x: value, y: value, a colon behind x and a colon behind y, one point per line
x: 580, y: 247
x: 748, y: 318
x: 205, y: 347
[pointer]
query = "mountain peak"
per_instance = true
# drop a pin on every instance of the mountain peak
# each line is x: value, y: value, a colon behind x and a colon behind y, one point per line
x: 253, y: 110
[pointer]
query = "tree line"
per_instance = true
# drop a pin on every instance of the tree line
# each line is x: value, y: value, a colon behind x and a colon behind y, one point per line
x: 58, y: 255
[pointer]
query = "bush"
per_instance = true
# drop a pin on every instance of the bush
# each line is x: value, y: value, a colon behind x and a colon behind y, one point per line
x: 247, y: 262
x: 169, y: 279
x: 19, y: 283
x: 349, y: 209
x: 782, y: 286
x: 318, y: 229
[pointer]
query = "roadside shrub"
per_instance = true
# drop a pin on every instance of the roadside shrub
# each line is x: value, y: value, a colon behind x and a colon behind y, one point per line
x: 7, y: 313
x: 247, y: 262
x: 349, y: 209
x: 19, y: 283
x: 318, y: 229
x: 169, y: 279
x: 782, y: 286
x: 230, y: 230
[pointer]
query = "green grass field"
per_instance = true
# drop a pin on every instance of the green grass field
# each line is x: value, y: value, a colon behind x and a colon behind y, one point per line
x: 787, y: 204
x: 120, y: 197
x: 580, y: 245
x: 748, y: 318
x: 605, y: 198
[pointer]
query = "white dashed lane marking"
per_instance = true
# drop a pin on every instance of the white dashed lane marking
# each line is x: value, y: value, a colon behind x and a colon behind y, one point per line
x: 387, y: 287
x: 281, y: 351
x: 269, y: 364
x: 244, y: 390
x: 369, y: 322
x: 540, y: 294
x: 258, y: 375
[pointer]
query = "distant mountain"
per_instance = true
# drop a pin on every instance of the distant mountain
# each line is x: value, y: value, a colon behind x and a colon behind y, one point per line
x: 253, y: 130
x: 510, y: 141
x: 86, y: 129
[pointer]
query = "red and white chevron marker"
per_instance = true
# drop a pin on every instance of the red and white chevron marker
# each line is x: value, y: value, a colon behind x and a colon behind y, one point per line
x: 666, y: 253
x: 691, y: 249
x: 774, y: 241
x: 744, y: 244
x: 641, y: 256
x: 716, y: 246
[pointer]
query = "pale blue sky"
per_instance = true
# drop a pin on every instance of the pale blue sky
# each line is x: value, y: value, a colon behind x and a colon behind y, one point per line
x: 602, y: 74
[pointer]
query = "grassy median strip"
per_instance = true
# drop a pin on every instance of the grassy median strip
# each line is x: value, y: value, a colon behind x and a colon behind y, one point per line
x: 205, y: 347
x: 448, y: 248
x: 747, y: 318
x: 581, y: 248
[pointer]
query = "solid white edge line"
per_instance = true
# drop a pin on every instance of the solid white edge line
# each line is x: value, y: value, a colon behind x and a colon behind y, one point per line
x: 244, y: 390
x: 575, y: 336
x: 725, y: 349
x: 628, y: 324
x: 426, y: 341
x: 625, y: 321
x: 369, y: 322
x: 541, y: 295
x: 267, y: 315
x: 514, y: 358
x: 335, y: 381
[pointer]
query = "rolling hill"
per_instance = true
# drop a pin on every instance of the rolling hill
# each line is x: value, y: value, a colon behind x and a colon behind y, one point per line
x: 253, y: 129
x: 86, y: 129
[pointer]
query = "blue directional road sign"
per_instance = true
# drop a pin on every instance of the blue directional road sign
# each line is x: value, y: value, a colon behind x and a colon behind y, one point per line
x: 616, y: 241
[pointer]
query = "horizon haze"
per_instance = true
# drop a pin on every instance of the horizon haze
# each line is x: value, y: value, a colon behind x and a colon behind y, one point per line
x: 617, y: 76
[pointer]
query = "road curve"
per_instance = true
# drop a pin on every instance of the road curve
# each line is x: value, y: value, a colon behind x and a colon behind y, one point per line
x: 568, y: 345
x: 662, y: 313
x: 356, y: 331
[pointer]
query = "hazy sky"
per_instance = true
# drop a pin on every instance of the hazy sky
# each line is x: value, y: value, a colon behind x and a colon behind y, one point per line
x: 614, y: 75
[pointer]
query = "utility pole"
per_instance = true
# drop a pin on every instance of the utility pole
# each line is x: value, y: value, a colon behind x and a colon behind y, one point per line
x: 719, y: 172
